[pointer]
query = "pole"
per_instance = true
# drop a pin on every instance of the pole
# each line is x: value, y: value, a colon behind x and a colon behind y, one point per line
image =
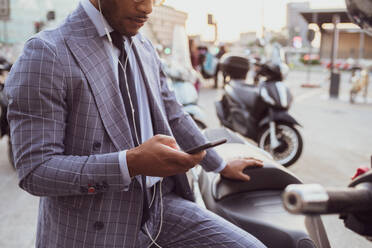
x: 308, y: 76
x: 5, y: 32
x: 334, y: 50
x: 310, y: 39
x: 361, y: 46
x: 215, y: 33
x: 335, y: 76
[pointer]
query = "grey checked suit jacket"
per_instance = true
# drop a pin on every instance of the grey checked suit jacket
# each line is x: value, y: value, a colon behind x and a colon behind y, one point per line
x: 68, y: 124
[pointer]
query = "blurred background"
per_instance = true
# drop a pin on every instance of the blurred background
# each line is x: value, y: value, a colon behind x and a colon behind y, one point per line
x: 328, y: 58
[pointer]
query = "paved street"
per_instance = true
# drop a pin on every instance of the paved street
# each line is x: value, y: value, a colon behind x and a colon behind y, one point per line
x: 337, y: 140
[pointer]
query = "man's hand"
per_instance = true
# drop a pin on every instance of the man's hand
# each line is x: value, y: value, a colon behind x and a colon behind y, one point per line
x: 234, y: 169
x: 160, y: 156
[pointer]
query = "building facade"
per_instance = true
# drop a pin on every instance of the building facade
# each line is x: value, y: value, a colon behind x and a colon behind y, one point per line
x: 349, y: 45
x: 26, y: 14
x: 296, y: 24
x: 248, y: 38
x: 160, y: 26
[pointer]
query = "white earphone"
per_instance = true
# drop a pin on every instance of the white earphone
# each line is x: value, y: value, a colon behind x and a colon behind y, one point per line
x: 123, y: 67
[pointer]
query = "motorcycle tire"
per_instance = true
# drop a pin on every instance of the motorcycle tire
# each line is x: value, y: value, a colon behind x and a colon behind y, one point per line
x: 291, y: 143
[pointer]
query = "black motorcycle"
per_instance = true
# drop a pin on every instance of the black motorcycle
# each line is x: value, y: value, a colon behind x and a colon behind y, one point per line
x: 260, y: 112
x: 5, y: 67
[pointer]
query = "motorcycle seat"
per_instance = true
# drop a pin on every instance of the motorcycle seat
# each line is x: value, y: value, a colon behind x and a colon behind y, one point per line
x: 263, y: 215
x: 247, y: 94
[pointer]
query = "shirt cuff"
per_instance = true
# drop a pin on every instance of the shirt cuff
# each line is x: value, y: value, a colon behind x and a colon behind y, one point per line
x: 124, y: 169
x: 221, y: 167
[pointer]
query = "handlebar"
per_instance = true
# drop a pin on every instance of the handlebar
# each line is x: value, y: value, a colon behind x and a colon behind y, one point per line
x: 315, y: 199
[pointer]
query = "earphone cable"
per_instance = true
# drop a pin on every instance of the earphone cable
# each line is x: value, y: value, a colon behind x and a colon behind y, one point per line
x: 134, y: 123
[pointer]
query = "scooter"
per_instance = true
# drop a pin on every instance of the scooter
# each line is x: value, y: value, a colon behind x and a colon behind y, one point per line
x: 260, y: 112
x: 353, y: 204
x: 256, y: 206
x: 5, y: 67
x: 180, y: 81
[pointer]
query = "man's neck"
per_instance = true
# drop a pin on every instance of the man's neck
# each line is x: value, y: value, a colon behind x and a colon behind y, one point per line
x: 95, y: 3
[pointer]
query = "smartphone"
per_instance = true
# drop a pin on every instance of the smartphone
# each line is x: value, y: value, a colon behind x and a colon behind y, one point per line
x: 206, y: 146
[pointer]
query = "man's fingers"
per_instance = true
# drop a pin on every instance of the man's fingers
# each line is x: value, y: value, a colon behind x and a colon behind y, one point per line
x: 184, y: 160
x: 253, y: 163
x: 196, y: 158
x: 244, y: 176
x: 168, y: 141
x: 255, y: 159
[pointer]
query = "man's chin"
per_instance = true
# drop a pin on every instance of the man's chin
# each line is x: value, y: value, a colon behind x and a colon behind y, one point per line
x: 131, y: 33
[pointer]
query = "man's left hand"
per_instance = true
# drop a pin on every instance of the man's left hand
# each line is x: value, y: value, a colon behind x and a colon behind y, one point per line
x: 234, y: 169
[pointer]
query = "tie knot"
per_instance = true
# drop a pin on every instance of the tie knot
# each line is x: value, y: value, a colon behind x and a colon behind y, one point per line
x: 117, y: 40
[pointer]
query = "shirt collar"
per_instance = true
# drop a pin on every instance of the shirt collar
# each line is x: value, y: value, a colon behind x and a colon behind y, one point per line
x: 95, y: 16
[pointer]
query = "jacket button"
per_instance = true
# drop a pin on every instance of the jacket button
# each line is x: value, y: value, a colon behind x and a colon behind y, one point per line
x: 96, y: 146
x: 98, y: 225
x: 83, y: 190
x: 105, y: 186
x: 91, y: 190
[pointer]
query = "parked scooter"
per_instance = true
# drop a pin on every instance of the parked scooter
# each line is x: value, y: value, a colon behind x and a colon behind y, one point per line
x: 260, y: 112
x: 5, y: 67
x: 256, y: 205
x: 181, y: 81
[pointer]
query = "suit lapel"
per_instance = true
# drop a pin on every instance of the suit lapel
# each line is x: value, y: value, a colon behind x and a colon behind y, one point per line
x: 90, y: 54
x: 147, y: 66
x: 159, y: 118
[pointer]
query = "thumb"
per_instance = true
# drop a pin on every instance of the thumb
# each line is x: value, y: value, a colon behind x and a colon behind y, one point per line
x: 168, y: 141
x: 244, y: 177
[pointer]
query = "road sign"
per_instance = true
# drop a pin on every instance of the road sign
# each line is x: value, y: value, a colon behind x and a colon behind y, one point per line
x: 4, y: 10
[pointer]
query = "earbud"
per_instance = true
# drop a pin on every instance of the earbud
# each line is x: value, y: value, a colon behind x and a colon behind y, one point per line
x: 108, y: 35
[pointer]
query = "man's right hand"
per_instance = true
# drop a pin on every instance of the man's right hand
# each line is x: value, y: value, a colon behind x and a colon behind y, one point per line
x: 160, y: 156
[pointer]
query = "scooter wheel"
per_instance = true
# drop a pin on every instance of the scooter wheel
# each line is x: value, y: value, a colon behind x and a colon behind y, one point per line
x: 290, y: 147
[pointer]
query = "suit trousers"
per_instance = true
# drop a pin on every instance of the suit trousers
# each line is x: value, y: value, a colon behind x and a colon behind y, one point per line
x: 185, y: 224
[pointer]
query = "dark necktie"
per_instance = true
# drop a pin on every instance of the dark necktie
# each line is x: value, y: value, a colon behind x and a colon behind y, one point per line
x: 126, y: 77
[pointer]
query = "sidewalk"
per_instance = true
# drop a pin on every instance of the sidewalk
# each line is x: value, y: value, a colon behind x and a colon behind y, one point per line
x: 18, y: 209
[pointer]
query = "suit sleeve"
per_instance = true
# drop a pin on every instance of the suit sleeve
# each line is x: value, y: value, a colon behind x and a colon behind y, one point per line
x: 37, y: 113
x: 184, y: 129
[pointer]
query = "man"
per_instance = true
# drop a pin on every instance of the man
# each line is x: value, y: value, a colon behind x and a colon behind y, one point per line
x: 77, y: 134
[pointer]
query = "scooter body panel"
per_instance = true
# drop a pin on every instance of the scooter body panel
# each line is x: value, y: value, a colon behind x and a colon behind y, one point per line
x: 185, y: 93
x: 261, y: 213
x: 196, y: 112
x: 236, y: 118
x: 256, y: 206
